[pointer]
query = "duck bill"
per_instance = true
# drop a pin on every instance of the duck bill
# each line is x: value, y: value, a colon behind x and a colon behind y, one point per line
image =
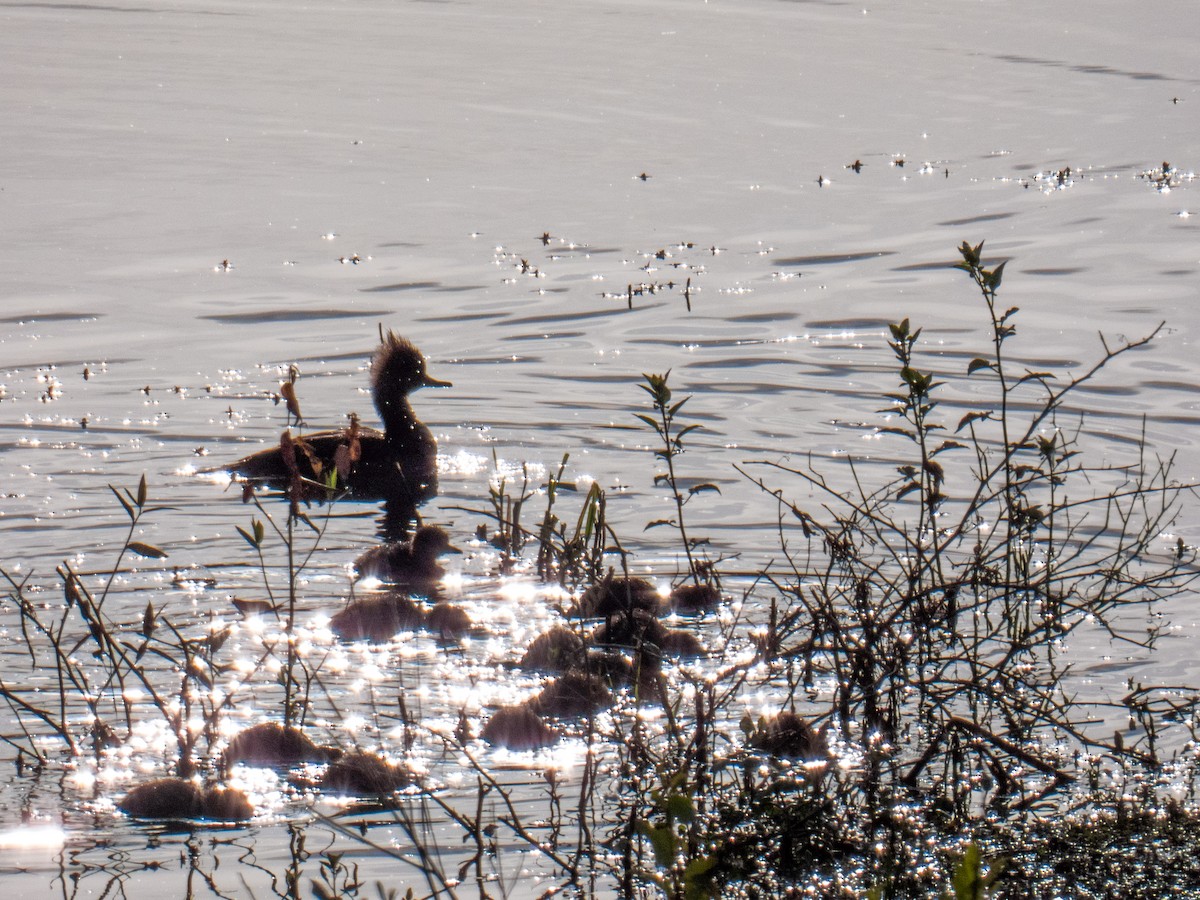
x: 433, y: 382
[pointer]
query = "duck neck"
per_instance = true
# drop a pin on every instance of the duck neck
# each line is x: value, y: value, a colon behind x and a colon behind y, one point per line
x: 400, y: 425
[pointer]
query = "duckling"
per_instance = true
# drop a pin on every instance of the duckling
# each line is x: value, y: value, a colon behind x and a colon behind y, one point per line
x: 518, y: 728
x: 613, y: 595
x: 572, y: 694
x: 448, y: 622
x: 557, y: 650
x: 787, y: 734
x: 693, y: 599
x: 273, y: 744
x: 377, y: 618
x: 177, y: 798
x: 365, y: 773
x: 641, y: 631
x: 398, y: 463
x: 409, y: 564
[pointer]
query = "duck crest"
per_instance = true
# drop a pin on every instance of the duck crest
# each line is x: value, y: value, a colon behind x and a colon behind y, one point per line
x: 397, y: 369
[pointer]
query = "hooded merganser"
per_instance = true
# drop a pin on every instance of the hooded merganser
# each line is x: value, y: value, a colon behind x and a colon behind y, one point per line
x: 787, y: 734
x: 518, y: 728
x: 365, y: 773
x: 409, y: 564
x: 177, y: 798
x: 377, y: 618
x: 273, y: 744
x: 398, y: 463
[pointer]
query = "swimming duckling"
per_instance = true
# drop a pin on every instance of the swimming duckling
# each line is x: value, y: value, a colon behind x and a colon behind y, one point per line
x: 398, y: 463
x: 409, y: 564
x: 641, y: 631
x: 787, y: 734
x: 377, y: 618
x: 365, y: 773
x: 693, y: 599
x: 448, y: 622
x: 556, y: 650
x: 612, y: 595
x: 273, y: 744
x: 518, y: 728
x: 572, y: 694
x: 177, y: 798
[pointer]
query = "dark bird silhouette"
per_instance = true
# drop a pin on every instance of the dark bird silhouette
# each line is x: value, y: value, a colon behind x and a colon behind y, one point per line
x: 396, y: 464
x: 273, y: 744
x: 176, y: 798
x: 377, y: 618
x: 412, y: 565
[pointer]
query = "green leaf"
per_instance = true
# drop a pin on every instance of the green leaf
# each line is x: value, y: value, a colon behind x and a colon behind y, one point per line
x: 663, y: 840
x: 995, y: 275
x: 142, y: 492
x: 968, y: 882
x: 147, y: 550
x: 125, y: 503
x: 653, y: 423
x: 253, y: 540
x: 978, y: 363
x: 695, y: 883
x: 971, y: 417
x: 679, y: 808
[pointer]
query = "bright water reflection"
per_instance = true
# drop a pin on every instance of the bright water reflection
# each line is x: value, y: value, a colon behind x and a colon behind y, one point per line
x: 470, y: 178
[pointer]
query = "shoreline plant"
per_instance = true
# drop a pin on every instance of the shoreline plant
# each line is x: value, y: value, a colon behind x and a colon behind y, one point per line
x: 924, y: 734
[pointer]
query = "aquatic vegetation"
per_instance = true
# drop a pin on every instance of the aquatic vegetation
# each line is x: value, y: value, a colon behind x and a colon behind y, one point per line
x: 885, y: 710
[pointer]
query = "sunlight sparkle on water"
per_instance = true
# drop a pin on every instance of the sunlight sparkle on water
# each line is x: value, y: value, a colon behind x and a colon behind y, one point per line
x: 463, y: 463
x: 36, y: 837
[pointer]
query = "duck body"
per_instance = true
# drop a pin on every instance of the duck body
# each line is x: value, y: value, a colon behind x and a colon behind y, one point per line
x: 396, y: 464
x: 412, y: 565
x: 177, y: 798
x: 273, y: 744
x: 377, y: 619
x: 365, y: 773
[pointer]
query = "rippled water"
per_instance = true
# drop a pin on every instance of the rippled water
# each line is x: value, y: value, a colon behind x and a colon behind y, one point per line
x: 506, y: 177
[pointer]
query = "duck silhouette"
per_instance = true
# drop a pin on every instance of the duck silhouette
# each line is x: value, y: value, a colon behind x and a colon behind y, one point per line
x: 274, y: 744
x: 412, y: 565
x: 397, y: 464
x: 178, y: 798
